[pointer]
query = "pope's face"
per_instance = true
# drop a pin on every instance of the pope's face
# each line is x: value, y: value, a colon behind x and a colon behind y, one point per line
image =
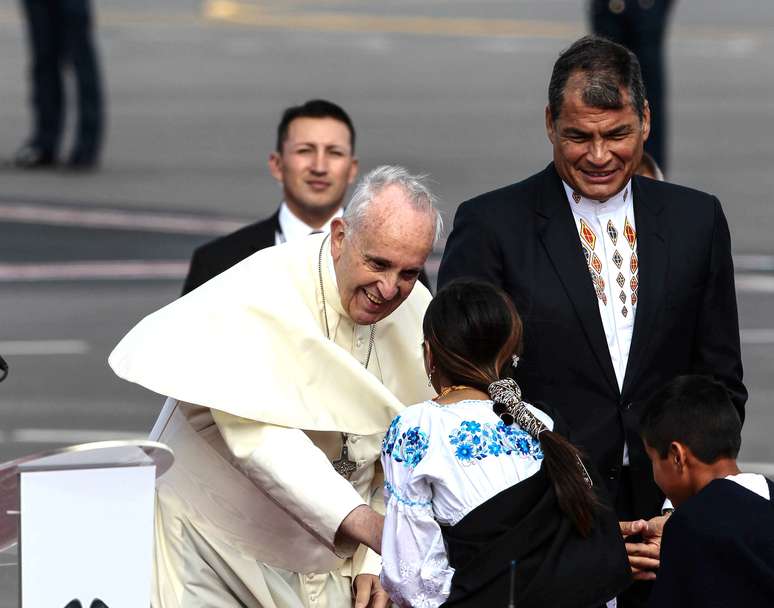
x: 596, y: 151
x: 377, y: 263
x: 315, y: 166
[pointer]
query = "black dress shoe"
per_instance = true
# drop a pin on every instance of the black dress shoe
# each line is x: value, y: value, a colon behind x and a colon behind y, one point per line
x: 74, y: 604
x: 30, y: 156
x: 98, y: 603
x: 82, y: 158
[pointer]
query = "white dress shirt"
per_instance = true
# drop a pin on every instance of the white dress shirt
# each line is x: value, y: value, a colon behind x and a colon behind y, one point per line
x: 291, y: 227
x: 609, y: 239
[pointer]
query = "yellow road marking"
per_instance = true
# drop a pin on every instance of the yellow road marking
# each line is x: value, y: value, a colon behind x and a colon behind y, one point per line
x: 294, y: 15
x: 256, y: 14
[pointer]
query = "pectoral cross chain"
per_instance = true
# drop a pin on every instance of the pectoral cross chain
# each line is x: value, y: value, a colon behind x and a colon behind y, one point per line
x: 343, y: 465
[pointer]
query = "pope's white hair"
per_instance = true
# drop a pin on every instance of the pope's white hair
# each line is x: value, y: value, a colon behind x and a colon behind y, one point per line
x: 371, y: 184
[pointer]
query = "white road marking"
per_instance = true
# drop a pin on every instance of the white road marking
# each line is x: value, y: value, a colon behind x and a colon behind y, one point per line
x: 69, y: 436
x: 754, y: 263
x: 18, y: 348
x: 757, y: 336
x: 760, y: 283
x: 97, y: 270
x: 117, y: 219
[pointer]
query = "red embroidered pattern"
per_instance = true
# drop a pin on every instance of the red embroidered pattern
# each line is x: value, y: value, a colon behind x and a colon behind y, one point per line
x: 596, y: 263
x: 630, y: 234
x: 587, y: 234
x: 589, y: 240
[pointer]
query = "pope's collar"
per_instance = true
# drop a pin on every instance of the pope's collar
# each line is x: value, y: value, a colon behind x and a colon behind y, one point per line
x: 611, y: 205
x: 331, y: 286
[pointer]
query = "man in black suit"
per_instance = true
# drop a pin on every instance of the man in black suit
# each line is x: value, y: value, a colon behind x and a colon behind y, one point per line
x: 623, y: 282
x: 314, y: 160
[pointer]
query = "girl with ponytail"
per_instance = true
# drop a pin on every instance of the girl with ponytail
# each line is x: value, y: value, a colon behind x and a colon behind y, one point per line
x: 478, y: 479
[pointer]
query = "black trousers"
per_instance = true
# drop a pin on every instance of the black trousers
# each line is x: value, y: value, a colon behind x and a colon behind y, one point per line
x: 60, y: 36
x: 637, y: 595
x: 640, y: 25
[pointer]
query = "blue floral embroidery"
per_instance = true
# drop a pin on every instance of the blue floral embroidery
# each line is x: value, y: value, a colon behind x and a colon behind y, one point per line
x: 408, y: 447
x: 473, y: 441
x: 393, y: 493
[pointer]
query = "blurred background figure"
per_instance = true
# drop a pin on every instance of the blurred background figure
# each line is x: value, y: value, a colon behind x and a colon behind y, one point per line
x: 314, y: 162
x: 640, y: 25
x: 649, y: 168
x: 60, y: 36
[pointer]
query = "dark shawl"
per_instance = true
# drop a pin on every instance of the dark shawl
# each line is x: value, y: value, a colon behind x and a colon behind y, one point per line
x: 555, y: 566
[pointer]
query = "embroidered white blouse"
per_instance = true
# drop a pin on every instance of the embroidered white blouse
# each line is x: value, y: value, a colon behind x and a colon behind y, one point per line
x: 441, y: 462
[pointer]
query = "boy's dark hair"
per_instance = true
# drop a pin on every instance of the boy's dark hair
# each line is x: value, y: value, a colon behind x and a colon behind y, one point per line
x: 314, y: 108
x: 607, y: 67
x: 697, y: 412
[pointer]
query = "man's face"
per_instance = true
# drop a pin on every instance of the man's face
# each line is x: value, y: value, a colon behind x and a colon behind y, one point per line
x: 596, y: 151
x: 669, y: 475
x: 315, y: 166
x: 378, y: 264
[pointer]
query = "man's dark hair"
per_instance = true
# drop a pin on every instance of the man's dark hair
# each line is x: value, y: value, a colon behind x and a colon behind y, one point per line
x: 697, y: 412
x: 314, y: 108
x: 607, y: 68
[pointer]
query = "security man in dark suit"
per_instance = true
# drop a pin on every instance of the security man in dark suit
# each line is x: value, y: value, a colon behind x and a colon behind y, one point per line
x: 623, y: 282
x: 60, y: 34
x: 314, y: 161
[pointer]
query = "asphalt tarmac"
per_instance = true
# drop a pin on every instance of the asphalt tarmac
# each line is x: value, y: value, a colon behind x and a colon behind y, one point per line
x: 452, y: 88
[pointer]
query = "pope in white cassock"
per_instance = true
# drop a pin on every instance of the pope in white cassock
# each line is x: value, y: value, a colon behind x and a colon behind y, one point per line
x: 282, y: 375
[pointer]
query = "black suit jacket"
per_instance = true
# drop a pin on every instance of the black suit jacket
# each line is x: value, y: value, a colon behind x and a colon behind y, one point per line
x: 219, y: 255
x: 718, y: 550
x: 523, y: 238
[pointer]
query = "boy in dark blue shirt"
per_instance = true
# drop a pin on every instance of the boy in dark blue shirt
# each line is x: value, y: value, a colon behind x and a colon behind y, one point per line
x: 718, y: 546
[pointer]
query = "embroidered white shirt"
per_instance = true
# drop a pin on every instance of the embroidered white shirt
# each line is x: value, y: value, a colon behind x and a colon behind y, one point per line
x: 440, y: 463
x: 609, y: 238
x: 291, y: 227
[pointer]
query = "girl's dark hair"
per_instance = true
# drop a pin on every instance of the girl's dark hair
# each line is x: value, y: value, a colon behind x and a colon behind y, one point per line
x: 472, y: 330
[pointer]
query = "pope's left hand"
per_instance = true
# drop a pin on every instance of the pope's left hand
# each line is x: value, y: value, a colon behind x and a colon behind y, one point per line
x: 369, y: 592
x: 644, y: 556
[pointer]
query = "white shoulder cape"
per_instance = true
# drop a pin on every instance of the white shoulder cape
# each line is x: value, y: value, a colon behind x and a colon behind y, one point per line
x: 249, y: 342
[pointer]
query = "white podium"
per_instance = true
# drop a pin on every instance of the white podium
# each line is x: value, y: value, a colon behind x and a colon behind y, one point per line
x: 83, y: 519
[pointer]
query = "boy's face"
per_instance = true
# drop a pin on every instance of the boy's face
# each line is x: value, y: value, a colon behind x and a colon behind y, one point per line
x: 670, y: 473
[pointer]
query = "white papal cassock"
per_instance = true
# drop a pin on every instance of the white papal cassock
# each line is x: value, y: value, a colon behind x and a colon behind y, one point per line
x: 258, y: 401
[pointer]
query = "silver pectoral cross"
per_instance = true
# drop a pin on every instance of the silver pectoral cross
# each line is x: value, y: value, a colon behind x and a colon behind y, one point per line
x: 343, y: 465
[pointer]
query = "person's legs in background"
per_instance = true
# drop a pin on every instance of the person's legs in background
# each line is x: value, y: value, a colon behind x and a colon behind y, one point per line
x: 46, y: 92
x: 81, y: 53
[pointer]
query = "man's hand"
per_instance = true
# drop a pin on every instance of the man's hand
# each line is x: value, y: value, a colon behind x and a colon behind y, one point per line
x: 369, y: 592
x: 363, y: 525
x: 644, y: 556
